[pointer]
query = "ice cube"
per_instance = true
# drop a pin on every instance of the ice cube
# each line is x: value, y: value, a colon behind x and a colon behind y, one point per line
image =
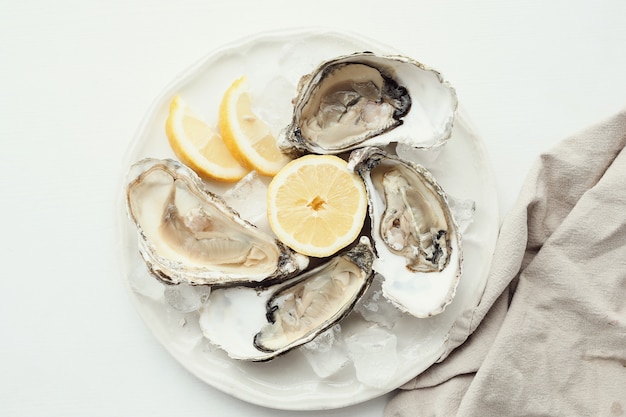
x: 375, y: 308
x: 298, y: 58
x: 273, y: 104
x: 142, y: 282
x: 326, y: 353
x: 186, y: 298
x: 183, y: 328
x: 324, y: 341
x: 248, y: 198
x: 374, y: 354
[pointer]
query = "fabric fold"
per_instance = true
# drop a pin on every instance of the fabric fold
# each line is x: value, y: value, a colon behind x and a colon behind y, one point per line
x: 549, y: 335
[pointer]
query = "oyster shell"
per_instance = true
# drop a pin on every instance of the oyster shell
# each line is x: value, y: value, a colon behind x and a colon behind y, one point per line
x: 279, y: 318
x: 188, y: 234
x: 414, y: 232
x: 366, y: 99
x: 316, y: 300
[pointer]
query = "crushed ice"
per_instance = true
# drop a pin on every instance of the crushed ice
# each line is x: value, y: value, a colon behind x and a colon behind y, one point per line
x: 326, y: 353
x: 374, y: 354
x: 372, y: 350
x: 248, y: 198
x: 375, y: 308
x: 186, y: 298
x: 142, y: 282
x: 273, y: 105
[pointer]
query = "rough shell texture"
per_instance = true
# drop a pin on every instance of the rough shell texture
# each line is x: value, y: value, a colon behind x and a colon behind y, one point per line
x: 188, y: 234
x: 364, y: 99
x: 418, y: 245
x: 284, y: 316
x: 316, y: 300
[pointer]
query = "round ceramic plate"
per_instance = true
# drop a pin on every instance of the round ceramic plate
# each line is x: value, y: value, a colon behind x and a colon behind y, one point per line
x: 392, y: 347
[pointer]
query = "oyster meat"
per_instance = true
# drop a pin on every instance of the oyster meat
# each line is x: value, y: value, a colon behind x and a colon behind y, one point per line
x: 316, y: 300
x: 188, y: 234
x: 366, y: 99
x: 414, y: 232
x: 287, y: 315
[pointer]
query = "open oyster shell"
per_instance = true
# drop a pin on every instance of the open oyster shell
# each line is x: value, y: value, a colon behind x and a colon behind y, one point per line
x: 279, y: 318
x: 316, y: 300
x: 364, y: 99
x: 188, y: 234
x: 416, y: 238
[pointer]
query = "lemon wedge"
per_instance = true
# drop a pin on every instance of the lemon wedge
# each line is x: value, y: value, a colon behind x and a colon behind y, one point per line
x: 199, y: 146
x: 247, y: 137
x: 316, y: 206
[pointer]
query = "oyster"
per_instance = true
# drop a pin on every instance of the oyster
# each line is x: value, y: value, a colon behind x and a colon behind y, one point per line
x: 279, y: 318
x: 315, y: 301
x: 366, y: 99
x: 188, y: 234
x: 414, y: 233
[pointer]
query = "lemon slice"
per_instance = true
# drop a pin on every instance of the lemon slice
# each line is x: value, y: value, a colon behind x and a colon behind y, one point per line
x: 248, y: 137
x: 199, y: 146
x: 316, y: 206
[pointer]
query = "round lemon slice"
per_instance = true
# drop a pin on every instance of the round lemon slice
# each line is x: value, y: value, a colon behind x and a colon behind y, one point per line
x: 248, y: 137
x: 316, y: 206
x: 199, y: 146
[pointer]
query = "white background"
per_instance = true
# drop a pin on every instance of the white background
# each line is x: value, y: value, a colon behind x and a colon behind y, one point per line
x: 76, y: 78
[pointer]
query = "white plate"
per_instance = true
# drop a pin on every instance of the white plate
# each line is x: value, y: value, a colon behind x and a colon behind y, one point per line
x: 274, y: 63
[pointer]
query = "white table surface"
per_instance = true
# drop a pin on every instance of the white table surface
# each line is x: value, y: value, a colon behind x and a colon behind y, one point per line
x: 76, y: 78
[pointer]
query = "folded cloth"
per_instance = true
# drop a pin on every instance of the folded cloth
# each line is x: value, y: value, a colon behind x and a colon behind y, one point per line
x: 548, y: 337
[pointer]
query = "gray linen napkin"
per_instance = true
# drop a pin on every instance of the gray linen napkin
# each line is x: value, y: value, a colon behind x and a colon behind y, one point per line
x: 549, y: 335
